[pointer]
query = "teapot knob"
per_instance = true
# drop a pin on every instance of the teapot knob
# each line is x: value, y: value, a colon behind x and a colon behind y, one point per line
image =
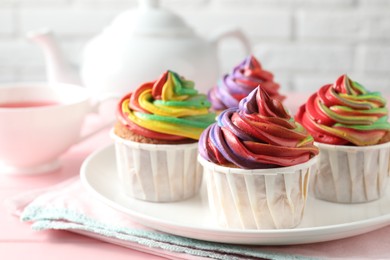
x: 149, y: 4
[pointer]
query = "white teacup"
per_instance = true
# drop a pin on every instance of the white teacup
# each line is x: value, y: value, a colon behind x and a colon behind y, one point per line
x: 39, y: 122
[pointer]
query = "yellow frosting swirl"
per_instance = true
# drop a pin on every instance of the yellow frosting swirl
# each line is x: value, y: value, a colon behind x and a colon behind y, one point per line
x: 169, y: 108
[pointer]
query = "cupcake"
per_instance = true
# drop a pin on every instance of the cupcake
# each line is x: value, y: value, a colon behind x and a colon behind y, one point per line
x: 240, y: 82
x: 156, y: 139
x: 349, y: 125
x: 257, y: 162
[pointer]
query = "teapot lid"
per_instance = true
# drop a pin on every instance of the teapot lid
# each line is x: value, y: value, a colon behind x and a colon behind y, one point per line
x: 152, y: 20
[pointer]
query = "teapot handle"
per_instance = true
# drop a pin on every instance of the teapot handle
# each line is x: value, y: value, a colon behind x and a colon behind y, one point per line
x: 235, y: 33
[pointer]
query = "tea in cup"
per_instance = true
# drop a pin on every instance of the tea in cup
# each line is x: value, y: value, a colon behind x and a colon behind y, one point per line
x: 39, y: 122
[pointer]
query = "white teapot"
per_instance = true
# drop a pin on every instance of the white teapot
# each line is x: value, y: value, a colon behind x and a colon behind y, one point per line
x: 137, y: 47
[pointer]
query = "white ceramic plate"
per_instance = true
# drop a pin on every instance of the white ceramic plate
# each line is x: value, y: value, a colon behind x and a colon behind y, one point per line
x: 323, y: 221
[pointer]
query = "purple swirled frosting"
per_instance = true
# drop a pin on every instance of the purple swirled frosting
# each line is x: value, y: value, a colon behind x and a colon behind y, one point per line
x: 240, y: 82
x: 257, y: 134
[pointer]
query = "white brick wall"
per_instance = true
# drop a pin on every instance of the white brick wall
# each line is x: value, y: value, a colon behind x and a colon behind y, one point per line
x: 305, y: 43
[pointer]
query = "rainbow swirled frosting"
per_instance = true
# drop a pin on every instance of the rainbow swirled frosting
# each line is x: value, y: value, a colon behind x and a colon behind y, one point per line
x: 345, y: 113
x: 168, y: 109
x: 240, y: 82
x: 258, y: 134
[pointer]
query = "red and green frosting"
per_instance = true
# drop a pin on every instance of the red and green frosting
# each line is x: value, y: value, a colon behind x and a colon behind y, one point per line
x: 345, y: 113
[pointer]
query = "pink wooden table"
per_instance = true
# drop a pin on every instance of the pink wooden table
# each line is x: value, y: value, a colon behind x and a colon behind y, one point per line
x: 18, y: 241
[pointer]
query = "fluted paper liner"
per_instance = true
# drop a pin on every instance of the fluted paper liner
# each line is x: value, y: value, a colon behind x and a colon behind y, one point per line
x: 351, y: 174
x: 158, y: 172
x: 257, y: 199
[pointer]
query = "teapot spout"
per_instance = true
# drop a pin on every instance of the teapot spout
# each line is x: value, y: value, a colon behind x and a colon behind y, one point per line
x: 57, y: 68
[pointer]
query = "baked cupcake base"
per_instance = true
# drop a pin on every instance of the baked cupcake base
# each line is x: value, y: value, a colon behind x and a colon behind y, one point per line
x: 157, y: 172
x: 124, y: 132
x: 351, y: 174
x: 257, y: 199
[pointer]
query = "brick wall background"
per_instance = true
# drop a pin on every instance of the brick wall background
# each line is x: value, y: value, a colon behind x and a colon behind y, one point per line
x: 305, y: 43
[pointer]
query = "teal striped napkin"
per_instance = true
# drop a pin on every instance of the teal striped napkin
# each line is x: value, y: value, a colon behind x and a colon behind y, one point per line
x: 68, y: 206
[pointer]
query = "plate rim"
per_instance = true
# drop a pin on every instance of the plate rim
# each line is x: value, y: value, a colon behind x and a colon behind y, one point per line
x: 379, y: 221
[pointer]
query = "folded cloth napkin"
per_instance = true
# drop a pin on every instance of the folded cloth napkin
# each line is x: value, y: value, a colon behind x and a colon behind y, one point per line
x: 68, y: 206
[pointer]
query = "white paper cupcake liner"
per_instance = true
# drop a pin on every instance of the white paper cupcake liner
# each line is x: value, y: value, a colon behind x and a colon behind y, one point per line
x: 158, y: 173
x: 257, y: 199
x: 351, y: 174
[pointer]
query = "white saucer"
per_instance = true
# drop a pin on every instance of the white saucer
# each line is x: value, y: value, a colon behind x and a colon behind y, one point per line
x: 323, y: 221
x: 49, y: 167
